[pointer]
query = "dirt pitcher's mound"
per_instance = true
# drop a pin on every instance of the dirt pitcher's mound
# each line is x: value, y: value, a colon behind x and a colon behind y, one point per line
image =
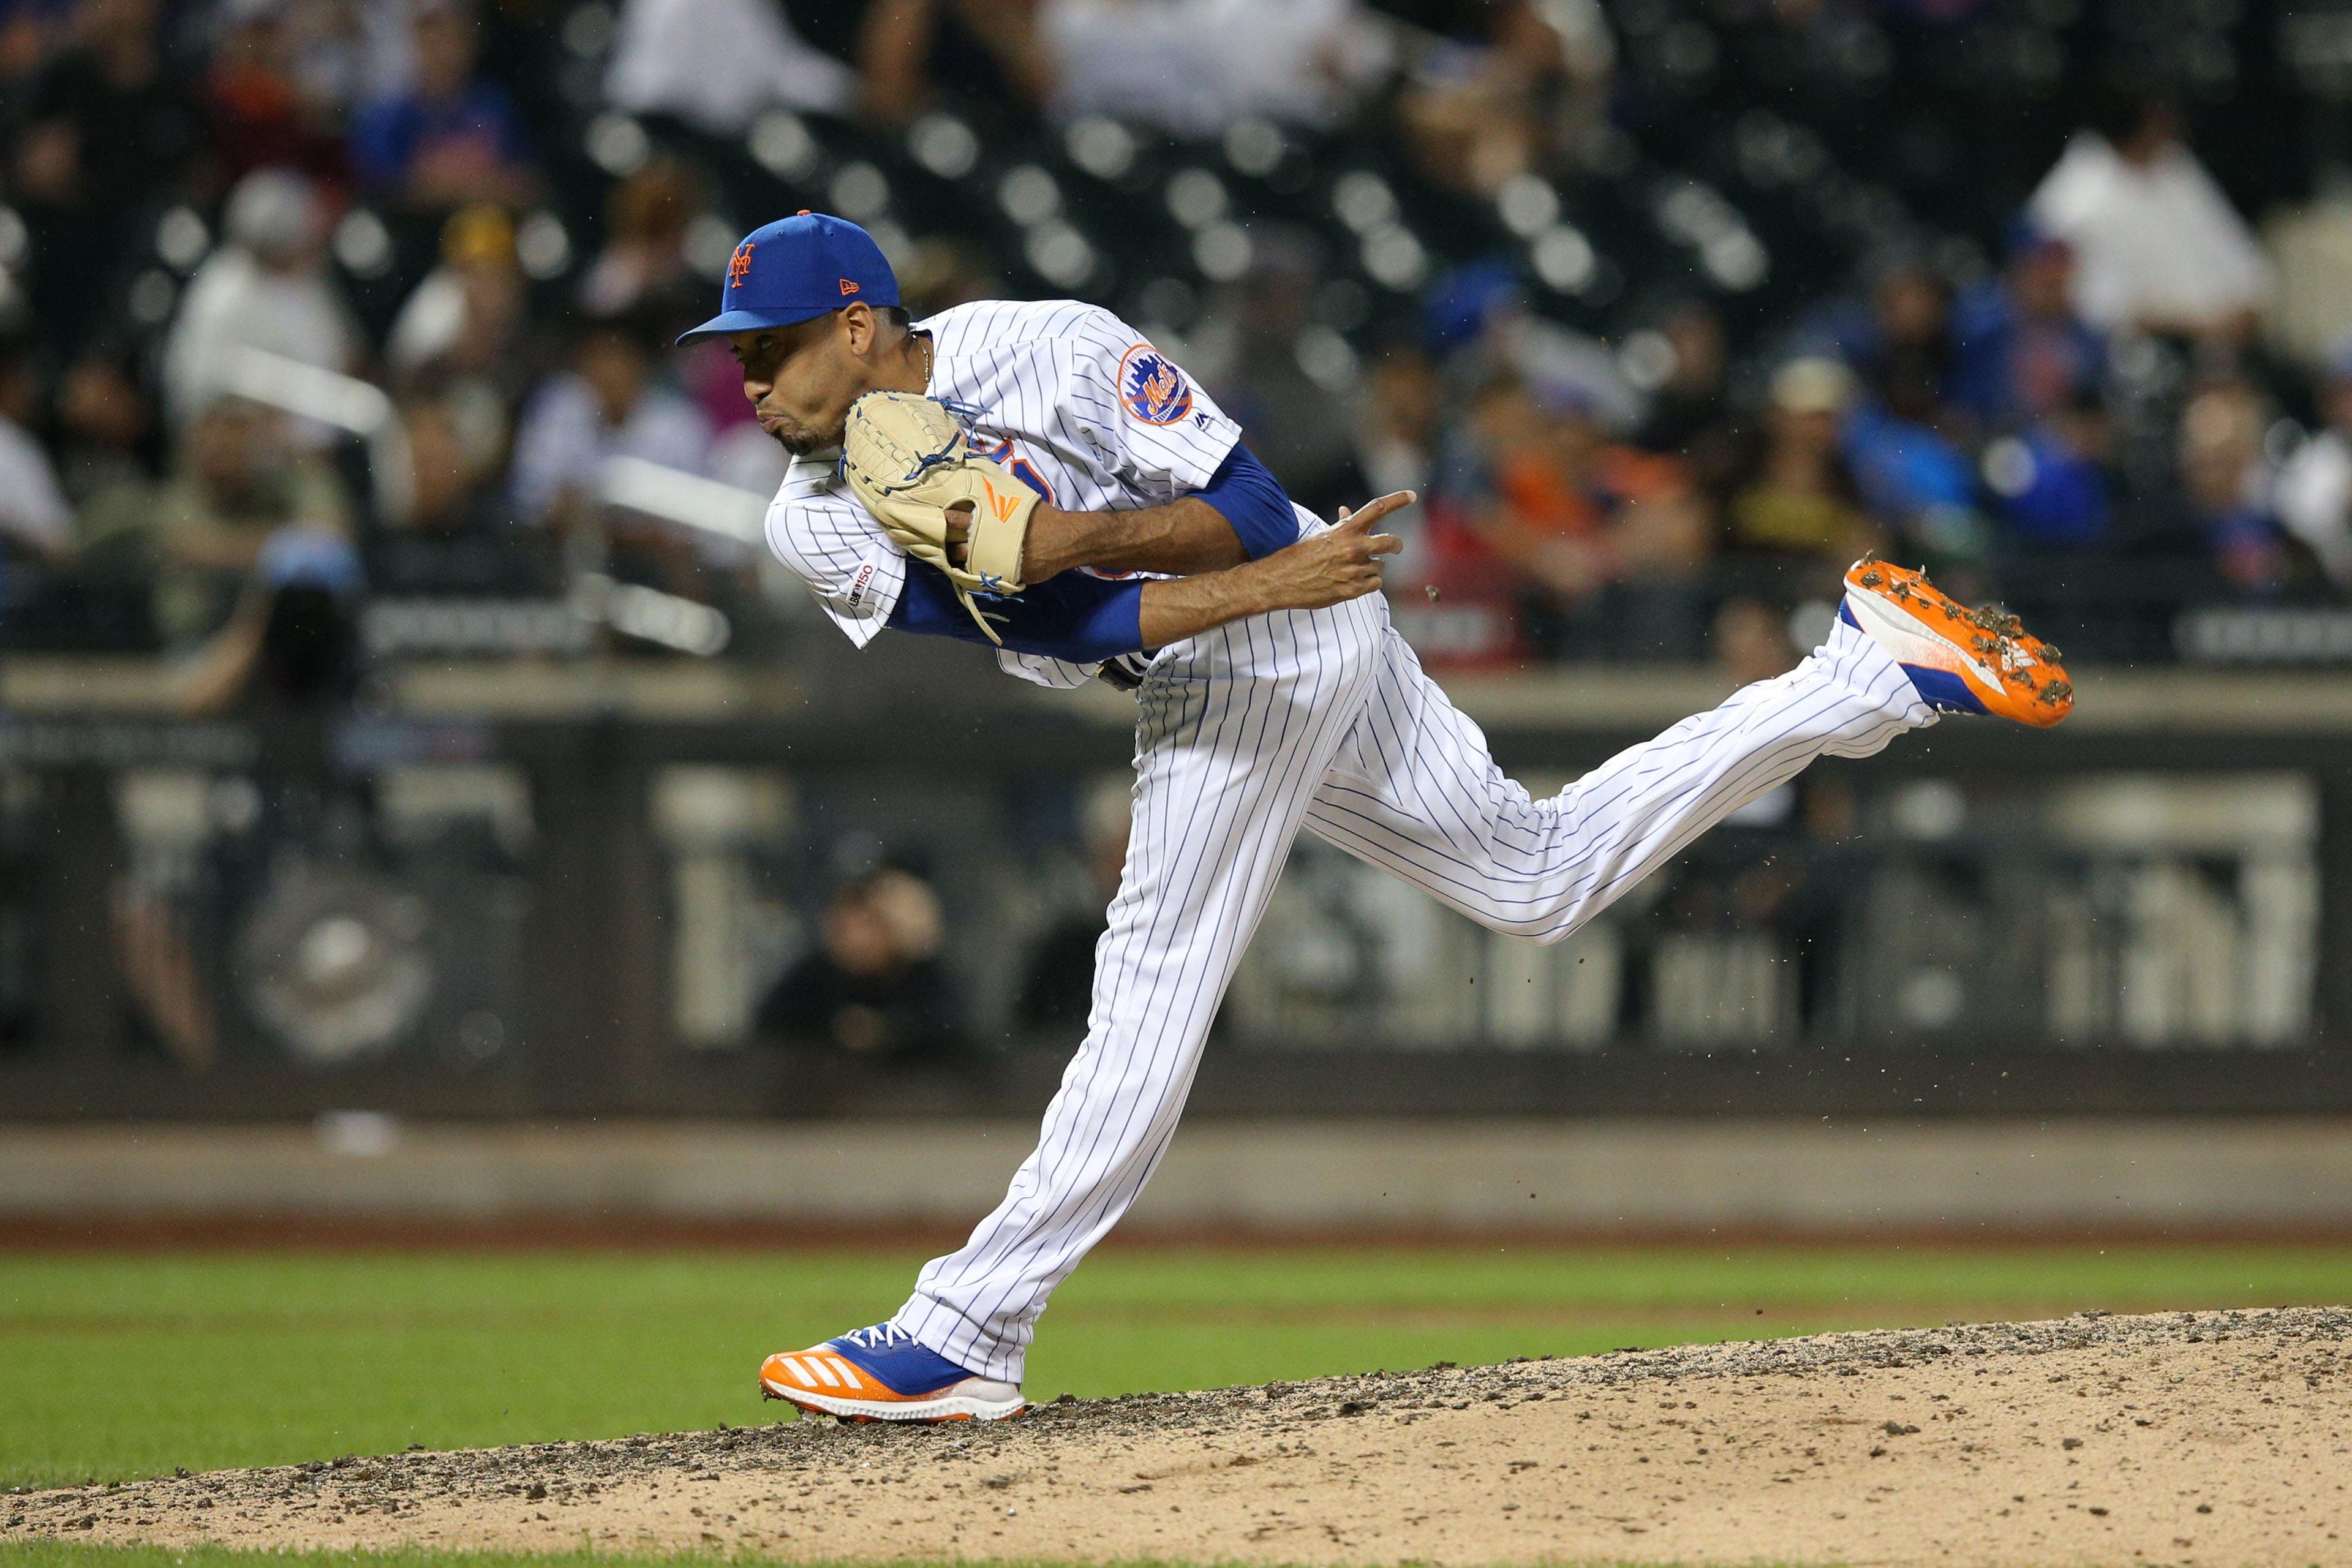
x: 2215, y: 1437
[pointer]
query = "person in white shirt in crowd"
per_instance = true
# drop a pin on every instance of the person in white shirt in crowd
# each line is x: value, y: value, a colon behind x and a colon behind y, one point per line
x: 612, y: 402
x: 266, y: 288
x: 2156, y: 243
x: 717, y: 64
x: 346, y: 53
x: 1194, y: 67
x: 470, y: 305
x: 2314, y: 491
x: 461, y: 328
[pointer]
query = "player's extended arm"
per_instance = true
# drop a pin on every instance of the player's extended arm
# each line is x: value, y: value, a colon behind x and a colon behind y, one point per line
x: 1086, y: 620
x: 1241, y: 515
x: 1329, y: 568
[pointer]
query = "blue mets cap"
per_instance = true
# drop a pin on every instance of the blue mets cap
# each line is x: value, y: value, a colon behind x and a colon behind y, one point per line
x: 796, y: 270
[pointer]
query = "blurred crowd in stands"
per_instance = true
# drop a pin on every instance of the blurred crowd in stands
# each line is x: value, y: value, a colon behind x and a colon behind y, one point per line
x: 1669, y: 308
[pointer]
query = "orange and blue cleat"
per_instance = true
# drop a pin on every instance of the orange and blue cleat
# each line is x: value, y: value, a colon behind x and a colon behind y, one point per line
x: 881, y: 1373
x: 1961, y: 660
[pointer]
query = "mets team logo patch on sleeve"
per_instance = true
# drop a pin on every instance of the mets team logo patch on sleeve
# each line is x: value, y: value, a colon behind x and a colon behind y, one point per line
x: 1154, y: 390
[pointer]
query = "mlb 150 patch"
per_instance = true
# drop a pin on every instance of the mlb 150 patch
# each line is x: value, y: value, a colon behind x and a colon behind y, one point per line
x: 1153, y: 389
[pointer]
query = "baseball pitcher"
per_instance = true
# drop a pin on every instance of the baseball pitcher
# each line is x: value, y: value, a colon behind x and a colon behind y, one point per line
x: 1038, y: 478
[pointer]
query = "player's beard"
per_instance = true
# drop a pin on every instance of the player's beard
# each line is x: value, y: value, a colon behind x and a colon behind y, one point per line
x: 801, y: 441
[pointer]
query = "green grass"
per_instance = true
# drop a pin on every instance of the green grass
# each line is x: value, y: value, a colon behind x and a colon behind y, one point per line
x: 117, y: 1366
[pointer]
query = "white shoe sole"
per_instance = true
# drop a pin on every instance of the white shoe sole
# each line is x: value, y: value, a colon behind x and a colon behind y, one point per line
x: 1910, y: 639
x: 949, y: 1407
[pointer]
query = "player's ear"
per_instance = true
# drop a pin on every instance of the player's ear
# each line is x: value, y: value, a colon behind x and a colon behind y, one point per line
x: 860, y: 328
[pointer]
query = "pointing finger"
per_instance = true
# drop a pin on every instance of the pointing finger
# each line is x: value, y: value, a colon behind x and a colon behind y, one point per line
x: 1371, y: 511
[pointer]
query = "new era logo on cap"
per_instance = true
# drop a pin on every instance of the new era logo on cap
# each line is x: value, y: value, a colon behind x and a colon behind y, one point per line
x: 847, y: 287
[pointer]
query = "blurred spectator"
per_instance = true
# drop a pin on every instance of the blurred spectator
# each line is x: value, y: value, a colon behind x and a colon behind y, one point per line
x: 1751, y: 642
x: 874, y: 987
x: 642, y: 263
x: 461, y: 330
x: 1801, y: 500
x: 1897, y: 332
x: 1570, y: 510
x: 1059, y: 976
x: 345, y: 53
x: 455, y: 137
x: 2049, y: 479
x: 1902, y: 441
x: 1910, y: 345
x: 269, y: 288
x: 610, y: 404
x: 101, y: 132
x: 1506, y: 87
x: 2226, y: 492
x: 716, y: 64
x: 1476, y: 318
x: 459, y: 536
x: 1912, y: 471
x: 258, y: 114
x: 35, y: 520
x: 2021, y: 353
x: 1196, y: 66
x: 911, y: 52
x: 1691, y: 416
x: 2314, y: 493
x: 106, y: 424
x: 1398, y: 430
x: 1249, y: 351
x: 466, y: 310
x: 240, y: 478
x: 939, y: 273
x: 27, y: 31
x: 2156, y: 243
x: 291, y: 645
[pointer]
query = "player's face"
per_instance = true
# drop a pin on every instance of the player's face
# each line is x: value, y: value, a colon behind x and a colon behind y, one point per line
x: 800, y: 380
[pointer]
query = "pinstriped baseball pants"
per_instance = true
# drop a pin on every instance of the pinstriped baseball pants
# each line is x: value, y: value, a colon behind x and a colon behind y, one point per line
x: 1325, y: 721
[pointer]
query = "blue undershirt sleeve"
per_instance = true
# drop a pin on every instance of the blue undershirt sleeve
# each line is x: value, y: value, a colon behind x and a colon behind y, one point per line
x: 1253, y: 502
x: 1073, y: 617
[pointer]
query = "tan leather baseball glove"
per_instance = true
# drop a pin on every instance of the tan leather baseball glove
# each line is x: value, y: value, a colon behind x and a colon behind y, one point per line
x: 909, y: 461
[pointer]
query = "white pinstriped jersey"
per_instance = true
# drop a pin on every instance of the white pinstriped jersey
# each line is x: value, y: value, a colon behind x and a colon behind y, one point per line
x: 1068, y: 397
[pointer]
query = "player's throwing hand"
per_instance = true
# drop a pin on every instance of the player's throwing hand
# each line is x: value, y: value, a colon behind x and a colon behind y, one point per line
x: 1334, y: 567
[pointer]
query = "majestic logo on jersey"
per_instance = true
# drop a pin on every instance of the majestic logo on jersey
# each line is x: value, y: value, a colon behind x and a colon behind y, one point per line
x: 1154, y: 390
x: 740, y: 267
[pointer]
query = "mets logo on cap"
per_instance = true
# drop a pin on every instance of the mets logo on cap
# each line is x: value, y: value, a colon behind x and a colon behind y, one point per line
x: 1154, y: 390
